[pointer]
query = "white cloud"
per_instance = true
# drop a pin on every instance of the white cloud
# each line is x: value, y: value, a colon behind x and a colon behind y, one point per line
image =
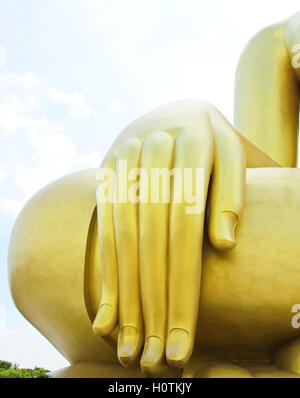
x: 14, y: 111
x: 76, y: 102
x: 25, y: 346
x: 2, y: 56
x: 115, y: 107
x: 32, y: 81
x: 10, y: 206
x: 2, y: 317
x: 46, y: 152
x: 200, y: 70
x: 254, y: 15
x: 3, y: 175
x: 29, y: 81
x: 53, y: 155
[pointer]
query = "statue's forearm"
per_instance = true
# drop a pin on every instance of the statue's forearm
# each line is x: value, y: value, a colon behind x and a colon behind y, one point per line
x: 255, y: 156
x: 291, y: 31
x: 267, y: 92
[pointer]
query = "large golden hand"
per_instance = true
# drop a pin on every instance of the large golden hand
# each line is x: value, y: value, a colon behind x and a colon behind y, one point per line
x: 151, y: 253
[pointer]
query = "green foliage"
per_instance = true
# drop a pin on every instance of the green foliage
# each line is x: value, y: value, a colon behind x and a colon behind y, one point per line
x: 10, y: 370
x: 4, y: 365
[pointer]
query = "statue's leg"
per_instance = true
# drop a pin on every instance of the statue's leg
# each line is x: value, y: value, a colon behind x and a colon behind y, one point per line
x: 93, y: 370
x: 287, y: 356
x: 213, y: 367
x: 55, y: 279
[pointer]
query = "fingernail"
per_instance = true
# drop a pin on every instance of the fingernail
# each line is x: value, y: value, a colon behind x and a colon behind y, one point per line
x: 177, y: 348
x: 102, y: 322
x: 128, y: 345
x: 228, y: 223
x: 152, y: 356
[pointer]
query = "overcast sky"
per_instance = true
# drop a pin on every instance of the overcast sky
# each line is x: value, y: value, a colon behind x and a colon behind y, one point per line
x: 73, y: 73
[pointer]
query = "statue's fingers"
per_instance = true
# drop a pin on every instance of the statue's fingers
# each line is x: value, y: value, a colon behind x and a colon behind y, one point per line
x: 107, y: 315
x: 227, y: 186
x: 157, y: 154
x: 193, y: 154
x: 126, y: 232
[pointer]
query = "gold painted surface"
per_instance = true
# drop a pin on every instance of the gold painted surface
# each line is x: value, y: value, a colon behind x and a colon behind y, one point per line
x: 46, y: 266
x: 267, y: 91
x: 246, y: 293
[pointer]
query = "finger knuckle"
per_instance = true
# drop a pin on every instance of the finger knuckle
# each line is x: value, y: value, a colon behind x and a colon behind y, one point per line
x: 155, y: 140
x: 129, y: 148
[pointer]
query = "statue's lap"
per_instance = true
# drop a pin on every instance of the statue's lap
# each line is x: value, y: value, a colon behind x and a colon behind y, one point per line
x: 246, y: 294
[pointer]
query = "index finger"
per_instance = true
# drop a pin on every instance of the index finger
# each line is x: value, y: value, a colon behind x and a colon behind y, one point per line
x: 107, y: 315
x: 194, y: 151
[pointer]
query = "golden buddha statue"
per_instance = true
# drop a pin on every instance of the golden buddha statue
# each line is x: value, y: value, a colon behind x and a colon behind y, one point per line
x: 127, y: 289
